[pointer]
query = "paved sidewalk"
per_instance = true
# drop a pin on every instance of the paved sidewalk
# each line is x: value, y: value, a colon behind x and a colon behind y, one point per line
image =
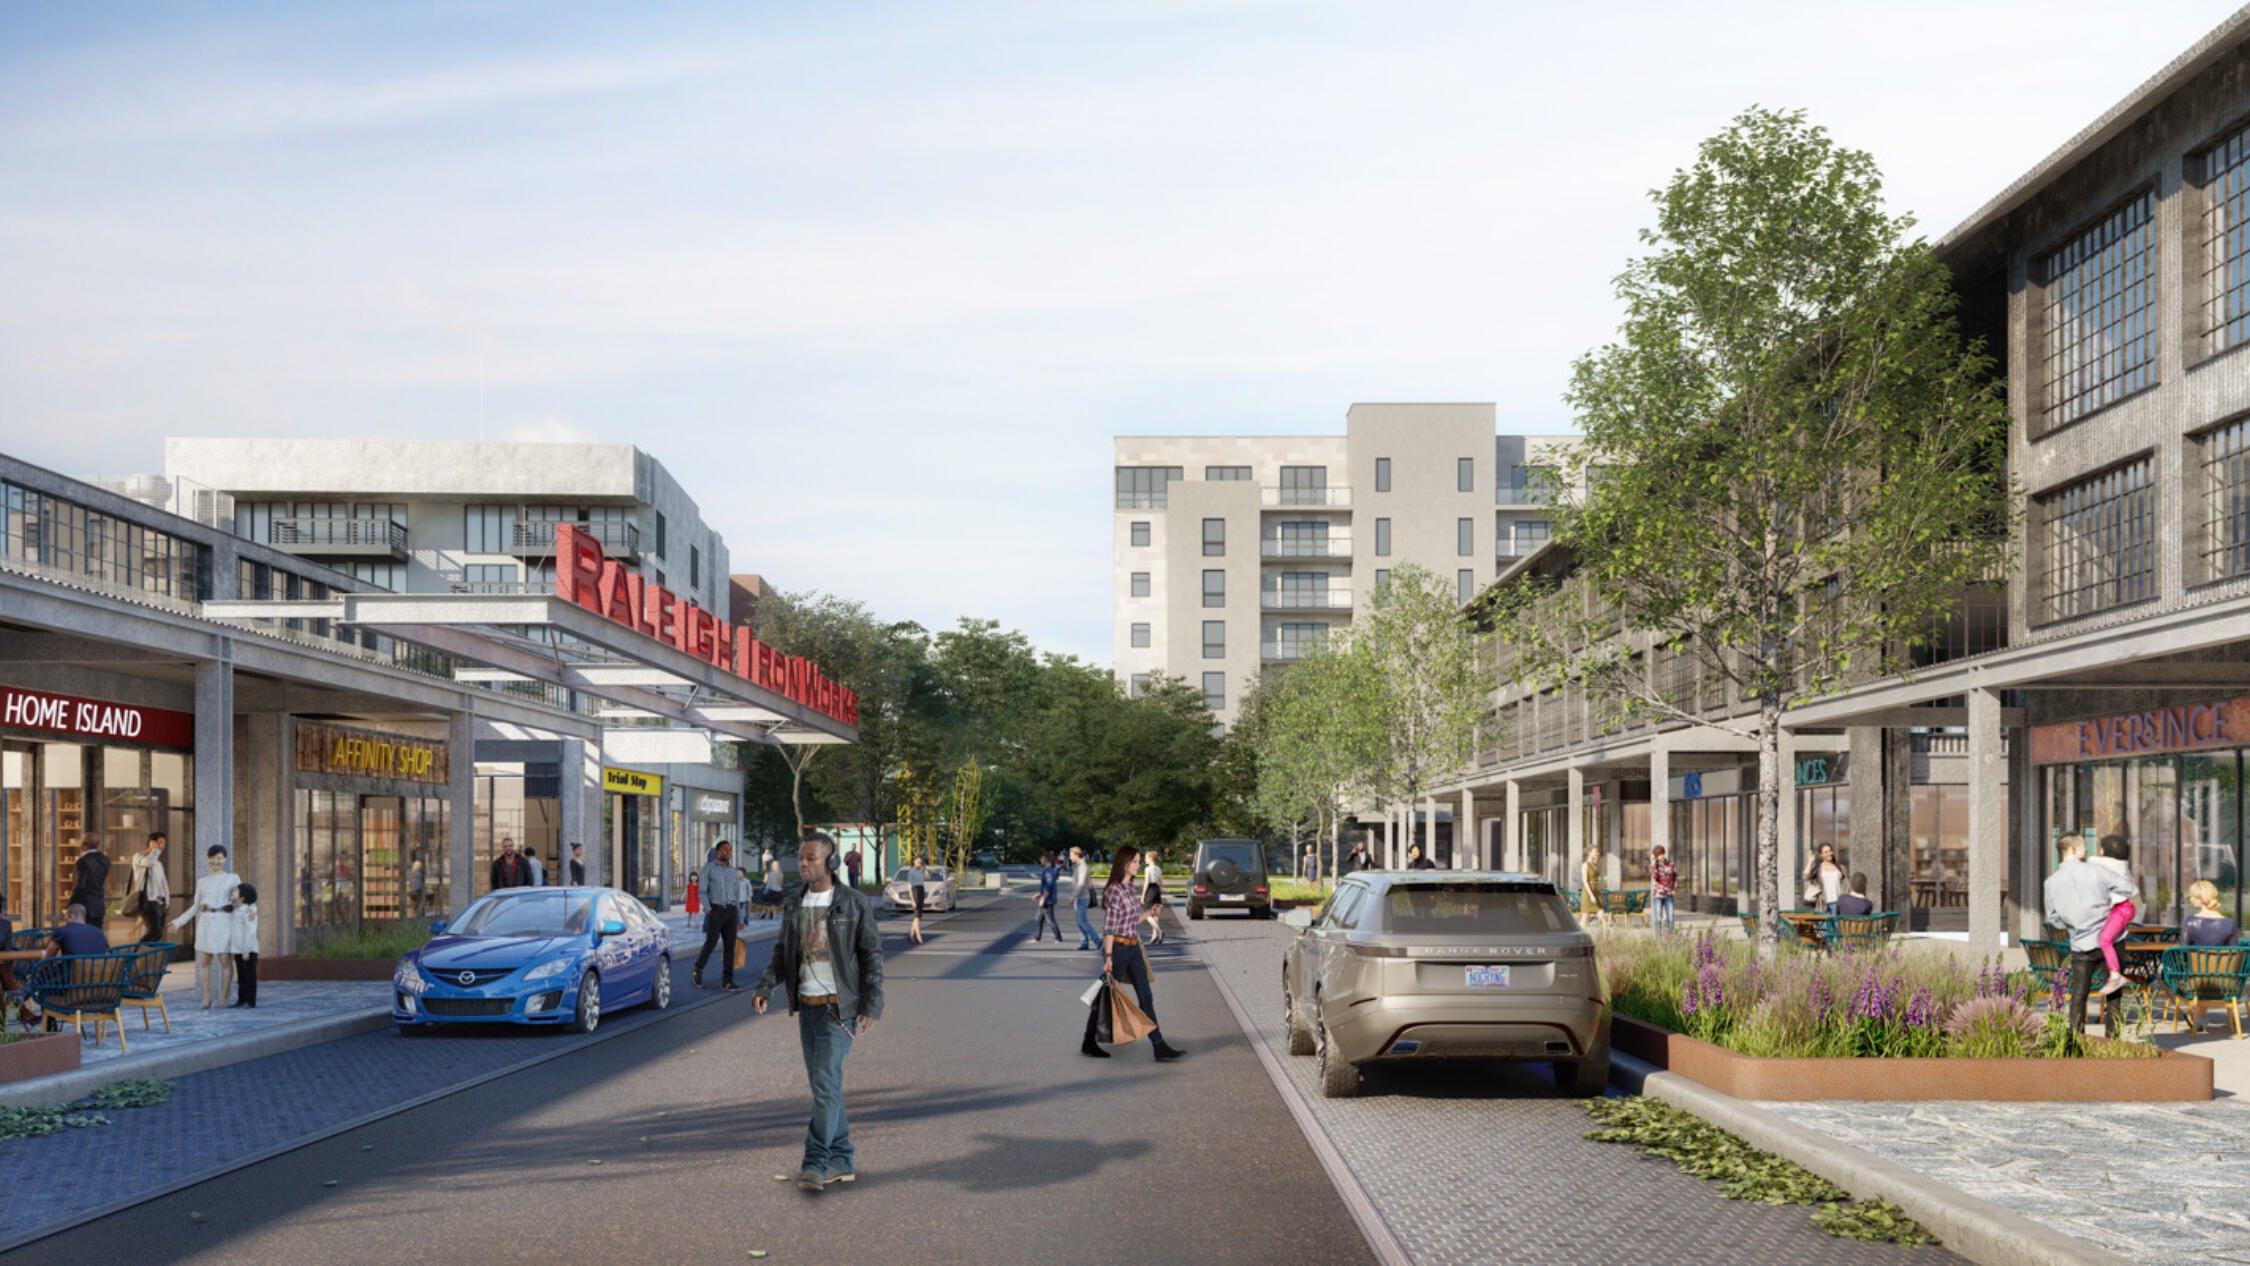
x: 2159, y: 1183
x: 1483, y: 1164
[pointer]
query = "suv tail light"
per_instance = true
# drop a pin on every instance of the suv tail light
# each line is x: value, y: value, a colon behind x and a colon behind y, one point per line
x: 1202, y: 891
x: 1261, y: 888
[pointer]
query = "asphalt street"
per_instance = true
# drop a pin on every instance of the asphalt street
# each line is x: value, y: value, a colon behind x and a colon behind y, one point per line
x: 983, y: 1136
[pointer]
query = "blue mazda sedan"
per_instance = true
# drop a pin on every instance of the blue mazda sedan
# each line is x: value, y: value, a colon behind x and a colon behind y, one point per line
x: 551, y: 956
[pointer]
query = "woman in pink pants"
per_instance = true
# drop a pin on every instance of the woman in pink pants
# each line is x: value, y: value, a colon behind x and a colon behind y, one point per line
x: 2115, y: 851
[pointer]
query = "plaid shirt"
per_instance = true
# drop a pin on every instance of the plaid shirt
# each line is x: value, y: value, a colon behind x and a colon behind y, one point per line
x: 1121, y: 910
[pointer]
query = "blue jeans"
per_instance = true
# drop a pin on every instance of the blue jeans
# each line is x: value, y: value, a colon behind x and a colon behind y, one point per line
x: 828, y: 1139
x: 1660, y: 912
x: 1088, y: 938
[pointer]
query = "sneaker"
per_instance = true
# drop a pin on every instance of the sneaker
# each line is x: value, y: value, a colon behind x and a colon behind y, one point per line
x: 842, y: 1175
x: 810, y: 1179
x: 696, y: 978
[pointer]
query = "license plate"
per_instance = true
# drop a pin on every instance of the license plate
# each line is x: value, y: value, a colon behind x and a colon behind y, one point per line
x: 1488, y: 978
x: 1234, y: 896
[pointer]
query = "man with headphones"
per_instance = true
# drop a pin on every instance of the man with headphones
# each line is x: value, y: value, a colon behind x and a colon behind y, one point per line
x: 829, y: 960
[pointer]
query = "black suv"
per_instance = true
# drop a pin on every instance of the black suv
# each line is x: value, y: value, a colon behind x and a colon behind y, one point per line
x: 1230, y: 875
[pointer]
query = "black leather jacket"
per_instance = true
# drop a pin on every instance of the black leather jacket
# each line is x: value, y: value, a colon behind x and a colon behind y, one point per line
x: 855, y: 951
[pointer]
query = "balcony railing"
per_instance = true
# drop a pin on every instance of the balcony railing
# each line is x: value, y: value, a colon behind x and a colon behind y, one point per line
x: 1331, y: 546
x: 1328, y: 495
x: 366, y: 538
x: 1531, y: 492
x: 1286, y: 652
x: 503, y: 586
x: 1332, y: 598
x: 535, y: 538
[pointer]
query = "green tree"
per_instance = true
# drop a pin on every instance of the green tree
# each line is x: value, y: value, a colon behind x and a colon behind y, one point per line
x: 1318, y: 732
x: 1790, y: 457
x: 1432, y: 690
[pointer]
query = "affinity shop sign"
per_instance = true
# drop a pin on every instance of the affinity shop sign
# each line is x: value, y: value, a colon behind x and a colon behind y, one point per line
x: 610, y: 589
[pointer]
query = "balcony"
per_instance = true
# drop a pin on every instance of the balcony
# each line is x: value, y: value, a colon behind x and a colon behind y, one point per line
x: 1333, y: 496
x: 517, y: 587
x: 1332, y: 598
x: 536, y: 538
x: 1531, y: 494
x: 1333, y: 545
x: 1285, y: 652
x: 341, y: 538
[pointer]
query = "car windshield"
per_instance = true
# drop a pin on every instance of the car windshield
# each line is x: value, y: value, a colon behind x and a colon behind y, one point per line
x: 1243, y: 855
x: 531, y: 914
x: 1474, y: 909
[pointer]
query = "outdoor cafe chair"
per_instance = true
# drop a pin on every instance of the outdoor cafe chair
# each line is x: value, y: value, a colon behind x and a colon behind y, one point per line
x: 1749, y: 925
x: 2200, y: 974
x: 145, y: 980
x: 2050, y: 962
x: 1859, y: 931
x: 76, y: 988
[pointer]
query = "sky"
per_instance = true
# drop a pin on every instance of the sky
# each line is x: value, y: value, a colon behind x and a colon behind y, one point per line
x: 880, y: 282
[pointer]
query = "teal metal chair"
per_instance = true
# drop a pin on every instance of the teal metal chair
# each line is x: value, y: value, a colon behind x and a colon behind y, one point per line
x: 1749, y: 925
x: 1859, y: 931
x: 82, y: 988
x: 2197, y: 975
x: 2050, y: 961
x: 144, y: 980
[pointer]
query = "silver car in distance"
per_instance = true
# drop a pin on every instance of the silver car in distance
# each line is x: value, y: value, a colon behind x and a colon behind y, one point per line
x: 1406, y: 967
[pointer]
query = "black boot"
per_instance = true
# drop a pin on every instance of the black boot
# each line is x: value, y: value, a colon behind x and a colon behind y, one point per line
x: 1166, y: 1052
x: 1088, y: 1047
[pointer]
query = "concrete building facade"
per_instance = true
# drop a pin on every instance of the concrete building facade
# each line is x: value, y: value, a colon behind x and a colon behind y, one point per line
x: 2105, y: 691
x: 1233, y: 555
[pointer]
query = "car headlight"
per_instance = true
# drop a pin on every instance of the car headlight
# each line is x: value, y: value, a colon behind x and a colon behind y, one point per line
x: 408, y: 977
x: 548, y: 970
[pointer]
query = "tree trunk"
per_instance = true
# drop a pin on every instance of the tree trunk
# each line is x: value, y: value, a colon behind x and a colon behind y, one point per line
x: 1335, y: 845
x: 1769, y: 829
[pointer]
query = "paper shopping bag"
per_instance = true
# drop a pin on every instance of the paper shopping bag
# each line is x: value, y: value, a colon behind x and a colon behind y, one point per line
x: 741, y: 954
x: 1126, y: 1022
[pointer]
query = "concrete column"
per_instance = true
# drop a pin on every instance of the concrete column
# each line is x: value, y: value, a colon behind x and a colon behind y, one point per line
x: 1511, y: 829
x: 1383, y: 841
x: 1659, y: 804
x: 1898, y: 821
x: 460, y: 812
x: 1429, y: 830
x: 1574, y: 830
x: 1468, y: 846
x: 2026, y: 903
x: 1612, y: 840
x: 214, y: 767
x: 578, y: 815
x: 1789, y: 868
x: 1864, y: 846
x: 1988, y: 844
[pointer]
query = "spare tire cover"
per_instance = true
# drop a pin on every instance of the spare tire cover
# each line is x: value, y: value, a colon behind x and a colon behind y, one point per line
x: 1224, y: 873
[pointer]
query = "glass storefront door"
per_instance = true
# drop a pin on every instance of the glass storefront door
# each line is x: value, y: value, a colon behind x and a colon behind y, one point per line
x: 2181, y: 817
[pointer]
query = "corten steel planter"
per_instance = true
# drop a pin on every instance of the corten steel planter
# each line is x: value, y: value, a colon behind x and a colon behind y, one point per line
x: 42, y: 1055
x: 2172, y: 1077
x: 290, y: 967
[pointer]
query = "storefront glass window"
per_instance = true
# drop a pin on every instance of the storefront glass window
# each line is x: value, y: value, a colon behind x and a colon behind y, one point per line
x: 2210, y: 844
x: 327, y: 859
x: 1634, y: 858
x: 2156, y: 835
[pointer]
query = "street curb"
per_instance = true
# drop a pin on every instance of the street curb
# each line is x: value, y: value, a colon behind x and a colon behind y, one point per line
x: 21, y: 1238
x: 1976, y: 1229
x: 1357, y: 1202
x: 218, y: 1052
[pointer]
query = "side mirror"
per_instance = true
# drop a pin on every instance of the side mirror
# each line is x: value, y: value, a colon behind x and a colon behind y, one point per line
x: 436, y: 926
x: 613, y: 927
x: 1299, y: 918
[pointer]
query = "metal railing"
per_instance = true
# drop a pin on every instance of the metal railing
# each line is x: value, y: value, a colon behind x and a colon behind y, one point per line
x: 535, y: 538
x: 354, y: 534
x: 1530, y: 492
x: 1331, y: 546
x: 502, y: 586
x: 1286, y: 652
x: 1326, y: 495
x: 1332, y: 598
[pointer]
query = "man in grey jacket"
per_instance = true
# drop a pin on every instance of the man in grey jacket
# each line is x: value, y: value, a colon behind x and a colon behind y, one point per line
x: 2079, y: 896
x: 829, y: 961
x: 723, y: 895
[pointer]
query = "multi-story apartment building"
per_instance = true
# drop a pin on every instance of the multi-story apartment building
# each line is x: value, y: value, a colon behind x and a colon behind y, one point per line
x: 2107, y: 690
x: 479, y: 518
x: 1235, y: 554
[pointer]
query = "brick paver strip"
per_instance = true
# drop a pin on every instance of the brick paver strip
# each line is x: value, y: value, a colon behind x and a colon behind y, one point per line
x: 1475, y: 1167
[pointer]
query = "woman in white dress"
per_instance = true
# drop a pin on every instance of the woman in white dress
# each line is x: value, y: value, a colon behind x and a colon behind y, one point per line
x: 216, y: 938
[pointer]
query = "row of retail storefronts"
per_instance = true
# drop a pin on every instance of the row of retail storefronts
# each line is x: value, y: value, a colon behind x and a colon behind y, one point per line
x: 356, y: 776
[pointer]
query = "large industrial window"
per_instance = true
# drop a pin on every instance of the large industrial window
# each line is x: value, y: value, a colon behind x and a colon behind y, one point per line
x: 1214, y: 639
x: 2223, y: 457
x: 1214, y: 538
x: 1214, y: 588
x: 2225, y: 175
x: 1140, y: 636
x: 1143, y: 487
x: 2097, y: 543
x: 2099, y: 309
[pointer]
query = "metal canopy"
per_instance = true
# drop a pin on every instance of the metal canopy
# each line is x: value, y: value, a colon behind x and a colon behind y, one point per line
x: 538, y: 637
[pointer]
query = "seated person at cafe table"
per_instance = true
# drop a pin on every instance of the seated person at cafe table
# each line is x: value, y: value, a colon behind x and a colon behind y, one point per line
x: 2204, y: 924
x: 1855, y: 902
x: 74, y: 935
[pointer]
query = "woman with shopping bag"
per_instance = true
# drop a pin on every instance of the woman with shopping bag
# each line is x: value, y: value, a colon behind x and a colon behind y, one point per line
x: 1123, y: 908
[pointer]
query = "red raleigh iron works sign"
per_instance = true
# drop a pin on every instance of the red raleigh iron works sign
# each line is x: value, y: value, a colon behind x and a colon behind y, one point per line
x: 2179, y: 729
x: 610, y: 589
